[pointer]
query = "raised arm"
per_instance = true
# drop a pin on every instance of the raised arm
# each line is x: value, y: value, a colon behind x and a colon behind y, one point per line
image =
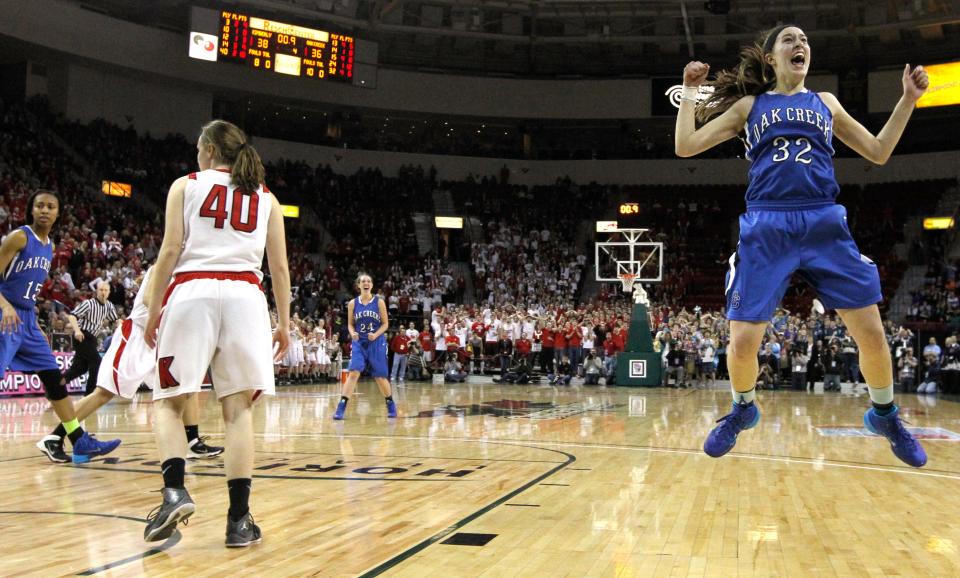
x: 877, y: 149
x: 690, y: 141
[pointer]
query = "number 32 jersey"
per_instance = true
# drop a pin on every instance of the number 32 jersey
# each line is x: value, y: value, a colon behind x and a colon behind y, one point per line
x: 223, y: 229
x: 789, y: 144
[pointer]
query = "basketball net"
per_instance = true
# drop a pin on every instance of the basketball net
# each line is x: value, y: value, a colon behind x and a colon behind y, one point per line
x: 636, y: 287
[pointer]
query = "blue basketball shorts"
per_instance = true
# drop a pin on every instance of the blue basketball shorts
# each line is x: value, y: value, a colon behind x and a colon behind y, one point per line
x: 26, y: 349
x: 369, y: 354
x: 814, y: 243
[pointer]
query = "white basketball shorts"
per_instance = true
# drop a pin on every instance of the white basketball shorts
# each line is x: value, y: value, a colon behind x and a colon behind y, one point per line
x: 217, y: 320
x: 128, y: 362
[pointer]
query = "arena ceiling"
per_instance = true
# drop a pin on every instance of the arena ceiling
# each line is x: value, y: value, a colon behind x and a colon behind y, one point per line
x: 604, y: 38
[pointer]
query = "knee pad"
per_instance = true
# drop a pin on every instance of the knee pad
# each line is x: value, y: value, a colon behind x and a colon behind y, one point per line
x: 52, y: 388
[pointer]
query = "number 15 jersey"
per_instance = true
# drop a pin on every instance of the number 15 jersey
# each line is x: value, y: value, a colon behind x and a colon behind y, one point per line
x: 789, y: 144
x: 223, y: 229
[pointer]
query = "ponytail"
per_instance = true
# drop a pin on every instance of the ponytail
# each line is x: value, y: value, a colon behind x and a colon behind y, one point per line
x: 247, y: 170
x: 233, y: 147
x: 750, y: 77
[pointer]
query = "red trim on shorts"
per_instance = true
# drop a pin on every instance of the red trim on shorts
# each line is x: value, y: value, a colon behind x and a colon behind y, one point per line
x: 125, y: 330
x: 181, y: 278
x: 256, y: 394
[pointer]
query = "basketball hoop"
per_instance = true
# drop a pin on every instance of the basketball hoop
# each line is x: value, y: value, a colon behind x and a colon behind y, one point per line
x: 627, y: 280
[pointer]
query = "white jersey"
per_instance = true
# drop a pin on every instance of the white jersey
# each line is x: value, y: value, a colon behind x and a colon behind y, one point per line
x: 223, y: 229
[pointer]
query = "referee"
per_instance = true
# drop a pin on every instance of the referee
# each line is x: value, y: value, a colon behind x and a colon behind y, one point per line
x: 86, y: 320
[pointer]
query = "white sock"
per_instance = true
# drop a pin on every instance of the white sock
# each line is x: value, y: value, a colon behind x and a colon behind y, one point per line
x: 881, y: 395
x: 744, y: 396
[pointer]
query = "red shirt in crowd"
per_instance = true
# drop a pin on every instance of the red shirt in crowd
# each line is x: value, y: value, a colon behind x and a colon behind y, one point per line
x: 523, y: 346
x: 453, y: 342
x: 610, y: 346
x: 576, y: 338
x: 399, y: 343
x: 478, y: 328
x: 426, y: 341
x: 547, y: 339
x: 559, y: 340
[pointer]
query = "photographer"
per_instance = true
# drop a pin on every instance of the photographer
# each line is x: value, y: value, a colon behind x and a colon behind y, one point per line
x: 453, y: 371
x: 798, y: 367
x: 416, y: 365
x: 519, y: 373
x: 932, y: 373
x: 907, y: 370
x: 832, y: 365
x: 676, y: 360
x: 592, y: 368
x: 564, y: 373
x: 851, y: 360
x: 769, y: 367
x: 950, y: 371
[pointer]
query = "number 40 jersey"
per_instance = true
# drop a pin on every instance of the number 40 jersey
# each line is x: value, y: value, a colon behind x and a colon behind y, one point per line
x: 223, y: 228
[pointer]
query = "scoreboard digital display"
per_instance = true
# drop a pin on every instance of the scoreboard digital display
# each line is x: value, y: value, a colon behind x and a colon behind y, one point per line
x: 284, y: 48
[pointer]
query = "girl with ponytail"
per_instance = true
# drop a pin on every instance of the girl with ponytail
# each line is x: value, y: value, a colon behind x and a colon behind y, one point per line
x: 219, y: 224
x: 793, y: 223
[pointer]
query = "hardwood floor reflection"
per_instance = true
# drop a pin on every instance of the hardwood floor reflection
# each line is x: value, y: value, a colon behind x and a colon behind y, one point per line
x: 489, y: 480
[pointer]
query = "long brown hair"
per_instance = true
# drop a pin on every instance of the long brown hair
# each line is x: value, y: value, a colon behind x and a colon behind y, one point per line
x: 751, y: 76
x: 233, y: 147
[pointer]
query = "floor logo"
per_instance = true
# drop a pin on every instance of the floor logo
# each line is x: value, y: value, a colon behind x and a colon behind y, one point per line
x: 517, y: 409
x: 638, y: 368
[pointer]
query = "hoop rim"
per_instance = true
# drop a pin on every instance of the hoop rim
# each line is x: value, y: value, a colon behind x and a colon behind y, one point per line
x: 627, y: 280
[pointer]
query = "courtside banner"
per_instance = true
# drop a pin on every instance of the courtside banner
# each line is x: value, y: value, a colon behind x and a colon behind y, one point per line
x: 16, y: 383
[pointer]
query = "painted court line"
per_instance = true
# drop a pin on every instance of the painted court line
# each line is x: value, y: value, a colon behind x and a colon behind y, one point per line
x: 525, y: 444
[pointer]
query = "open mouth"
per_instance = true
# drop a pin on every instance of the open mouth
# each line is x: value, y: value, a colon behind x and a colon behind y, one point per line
x: 799, y: 59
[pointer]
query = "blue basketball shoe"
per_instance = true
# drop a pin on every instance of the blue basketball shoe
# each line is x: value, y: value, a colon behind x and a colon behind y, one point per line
x: 341, y: 407
x: 723, y: 437
x: 88, y: 446
x: 902, y: 443
x: 391, y: 408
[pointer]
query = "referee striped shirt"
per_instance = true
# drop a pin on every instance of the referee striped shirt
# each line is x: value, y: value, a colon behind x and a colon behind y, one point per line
x: 91, y: 314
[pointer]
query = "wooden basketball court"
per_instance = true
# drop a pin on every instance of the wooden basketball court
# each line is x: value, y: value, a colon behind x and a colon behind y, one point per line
x: 484, y: 480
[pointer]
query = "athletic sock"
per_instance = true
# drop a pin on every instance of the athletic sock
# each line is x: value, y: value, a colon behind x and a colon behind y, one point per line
x: 744, y: 397
x: 73, y: 430
x: 173, y: 473
x: 60, y: 431
x: 239, y: 497
x: 882, y: 399
x: 193, y: 432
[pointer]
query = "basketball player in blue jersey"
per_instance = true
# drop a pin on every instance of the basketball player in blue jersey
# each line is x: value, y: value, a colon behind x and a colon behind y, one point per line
x: 25, y: 257
x: 793, y: 223
x: 367, y: 322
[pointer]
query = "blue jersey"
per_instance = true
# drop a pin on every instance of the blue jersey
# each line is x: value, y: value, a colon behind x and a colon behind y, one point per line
x: 789, y: 145
x: 366, y: 318
x: 27, y: 272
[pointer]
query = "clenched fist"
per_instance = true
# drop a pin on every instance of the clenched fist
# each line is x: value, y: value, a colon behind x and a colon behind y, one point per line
x: 915, y: 82
x: 694, y: 73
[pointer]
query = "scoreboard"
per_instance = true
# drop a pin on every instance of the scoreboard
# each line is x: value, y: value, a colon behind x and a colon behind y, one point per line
x: 284, y: 48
